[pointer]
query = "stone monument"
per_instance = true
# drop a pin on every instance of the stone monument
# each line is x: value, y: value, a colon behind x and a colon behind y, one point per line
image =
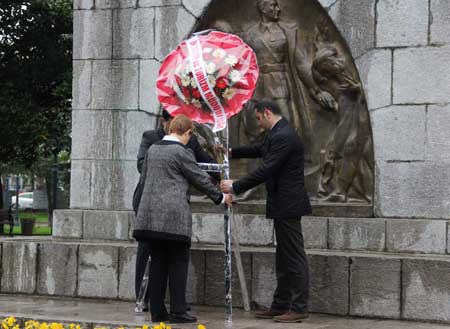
x: 385, y: 64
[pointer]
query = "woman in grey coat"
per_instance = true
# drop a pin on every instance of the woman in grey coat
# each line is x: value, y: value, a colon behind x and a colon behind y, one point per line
x: 164, y: 218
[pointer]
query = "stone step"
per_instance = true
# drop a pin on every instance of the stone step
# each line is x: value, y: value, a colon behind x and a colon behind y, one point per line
x: 335, y: 233
x: 91, y: 314
x: 369, y: 284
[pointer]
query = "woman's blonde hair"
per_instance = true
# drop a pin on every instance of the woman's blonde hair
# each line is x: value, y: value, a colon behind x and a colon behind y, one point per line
x: 180, y: 124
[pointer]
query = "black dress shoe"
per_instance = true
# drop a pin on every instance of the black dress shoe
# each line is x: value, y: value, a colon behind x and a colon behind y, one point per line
x: 160, y: 318
x: 182, y: 318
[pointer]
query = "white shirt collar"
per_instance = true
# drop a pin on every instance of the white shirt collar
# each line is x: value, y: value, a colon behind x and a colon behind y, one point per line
x: 275, y: 123
x: 171, y: 138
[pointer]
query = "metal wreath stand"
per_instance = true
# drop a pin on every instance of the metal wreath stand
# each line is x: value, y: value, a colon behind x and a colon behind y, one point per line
x: 230, y: 227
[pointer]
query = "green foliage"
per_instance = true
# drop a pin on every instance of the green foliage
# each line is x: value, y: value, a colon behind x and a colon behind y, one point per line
x: 35, y: 81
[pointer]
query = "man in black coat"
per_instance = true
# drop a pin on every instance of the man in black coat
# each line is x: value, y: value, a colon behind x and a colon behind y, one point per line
x: 287, y: 201
x: 150, y: 137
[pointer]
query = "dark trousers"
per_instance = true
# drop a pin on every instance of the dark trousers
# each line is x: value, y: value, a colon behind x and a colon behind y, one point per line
x: 169, y: 262
x: 292, y: 271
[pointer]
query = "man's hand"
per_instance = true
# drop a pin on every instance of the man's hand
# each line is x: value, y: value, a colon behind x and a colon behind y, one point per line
x: 220, y: 150
x: 326, y: 100
x: 226, y: 186
x: 228, y: 200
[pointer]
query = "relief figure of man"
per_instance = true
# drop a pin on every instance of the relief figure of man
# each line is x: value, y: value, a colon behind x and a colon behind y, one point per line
x: 285, y: 75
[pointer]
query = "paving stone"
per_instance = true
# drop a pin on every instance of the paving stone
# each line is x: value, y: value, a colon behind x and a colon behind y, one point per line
x: 375, y: 71
x: 356, y: 21
x: 173, y: 24
x: 421, y: 236
x: 128, y: 128
x: 80, y: 184
x: 92, y: 34
x: 117, y: 196
x: 57, y: 269
x: 402, y: 23
x: 19, y: 267
x: 98, y: 271
x: 357, y: 234
x: 67, y: 223
x: 115, y: 84
x: 426, y: 293
x: 196, y: 7
x: 375, y: 287
x: 315, y: 232
x: 214, y: 282
x: 195, y: 291
x: 438, y: 133
x: 329, y: 277
x: 264, y: 279
x: 412, y: 189
x: 440, y: 13
x: 92, y: 135
x: 252, y: 229
x: 105, y: 225
x: 83, y: 4
x: 112, y: 314
x: 421, y: 75
x: 81, y: 84
x: 134, y: 36
x: 148, y: 73
x: 156, y: 3
x: 127, y: 266
x: 105, y: 4
x: 399, y: 133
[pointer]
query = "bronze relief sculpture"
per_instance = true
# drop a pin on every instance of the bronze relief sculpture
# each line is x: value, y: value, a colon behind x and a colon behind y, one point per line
x: 307, y: 69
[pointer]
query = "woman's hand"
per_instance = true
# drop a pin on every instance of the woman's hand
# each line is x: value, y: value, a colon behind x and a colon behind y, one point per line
x: 228, y: 199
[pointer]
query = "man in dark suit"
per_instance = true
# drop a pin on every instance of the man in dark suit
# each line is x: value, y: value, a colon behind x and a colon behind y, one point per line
x: 149, y: 138
x: 287, y: 202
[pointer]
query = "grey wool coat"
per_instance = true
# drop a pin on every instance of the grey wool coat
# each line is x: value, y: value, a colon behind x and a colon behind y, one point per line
x: 164, y: 211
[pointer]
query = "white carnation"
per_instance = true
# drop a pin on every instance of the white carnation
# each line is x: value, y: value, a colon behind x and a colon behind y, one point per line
x: 228, y: 93
x: 219, y: 52
x: 231, y: 60
x: 235, y: 76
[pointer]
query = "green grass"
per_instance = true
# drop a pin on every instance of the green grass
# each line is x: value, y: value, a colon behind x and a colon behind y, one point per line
x: 41, y: 216
x: 39, y: 230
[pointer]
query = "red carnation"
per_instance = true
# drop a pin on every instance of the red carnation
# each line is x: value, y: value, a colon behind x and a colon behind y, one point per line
x: 221, y: 83
x: 186, y: 92
x: 196, y: 93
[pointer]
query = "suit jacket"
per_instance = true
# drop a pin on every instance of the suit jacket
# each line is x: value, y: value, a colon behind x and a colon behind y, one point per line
x: 164, y: 211
x: 281, y: 170
x: 150, y: 137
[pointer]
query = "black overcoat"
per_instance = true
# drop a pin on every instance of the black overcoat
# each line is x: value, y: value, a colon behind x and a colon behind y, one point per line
x: 281, y: 170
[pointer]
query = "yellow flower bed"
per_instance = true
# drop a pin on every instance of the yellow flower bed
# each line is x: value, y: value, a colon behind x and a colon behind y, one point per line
x: 11, y: 323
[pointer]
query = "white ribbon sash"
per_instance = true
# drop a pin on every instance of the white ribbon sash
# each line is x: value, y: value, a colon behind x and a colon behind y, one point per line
x: 198, y: 70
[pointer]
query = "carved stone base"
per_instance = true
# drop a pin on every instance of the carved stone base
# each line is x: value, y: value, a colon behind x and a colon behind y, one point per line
x: 258, y: 207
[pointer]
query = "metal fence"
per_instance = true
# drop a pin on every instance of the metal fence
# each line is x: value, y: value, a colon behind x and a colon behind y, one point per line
x: 31, y: 194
